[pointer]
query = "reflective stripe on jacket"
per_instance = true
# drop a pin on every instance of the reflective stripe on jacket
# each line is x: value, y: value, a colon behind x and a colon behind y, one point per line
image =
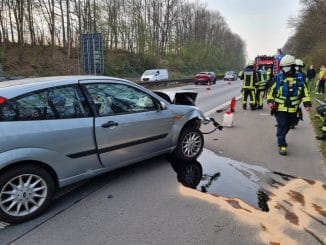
x: 249, y: 78
x: 262, y: 80
x: 288, y: 93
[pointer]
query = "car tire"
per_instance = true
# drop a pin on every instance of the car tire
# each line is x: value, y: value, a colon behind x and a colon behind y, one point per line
x: 190, y: 144
x: 25, y: 192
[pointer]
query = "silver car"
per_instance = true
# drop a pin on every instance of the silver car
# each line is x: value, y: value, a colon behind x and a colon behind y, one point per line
x: 59, y: 130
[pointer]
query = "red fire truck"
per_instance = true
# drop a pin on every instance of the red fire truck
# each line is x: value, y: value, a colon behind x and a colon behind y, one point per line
x: 272, y: 62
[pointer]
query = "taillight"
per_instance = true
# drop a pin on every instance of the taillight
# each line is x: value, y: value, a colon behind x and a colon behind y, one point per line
x: 2, y: 100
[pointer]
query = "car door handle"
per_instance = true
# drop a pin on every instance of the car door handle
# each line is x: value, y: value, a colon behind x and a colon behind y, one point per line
x: 109, y: 124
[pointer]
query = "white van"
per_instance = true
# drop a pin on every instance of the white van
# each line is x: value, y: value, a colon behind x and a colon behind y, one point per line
x: 155, y: 75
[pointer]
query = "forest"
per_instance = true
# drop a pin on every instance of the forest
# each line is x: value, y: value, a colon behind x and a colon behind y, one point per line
x: 184, y: 36
x: 309, y: 39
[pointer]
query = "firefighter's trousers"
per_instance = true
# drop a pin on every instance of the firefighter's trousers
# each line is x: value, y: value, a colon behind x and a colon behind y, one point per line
x: 260, y: 97
x: 251, y: 94
x: 284, y: 122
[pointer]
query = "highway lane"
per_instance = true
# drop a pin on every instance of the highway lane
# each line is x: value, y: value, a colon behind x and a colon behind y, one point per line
x: 219, y: 93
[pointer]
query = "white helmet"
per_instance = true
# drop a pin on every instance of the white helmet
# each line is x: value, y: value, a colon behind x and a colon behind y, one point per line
x: 287, y: 60
x: 250, y: 63
x: 299, y: 62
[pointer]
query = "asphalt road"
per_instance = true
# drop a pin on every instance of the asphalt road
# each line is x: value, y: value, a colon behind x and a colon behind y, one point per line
x: 146, y: 204
x: 218, y: 94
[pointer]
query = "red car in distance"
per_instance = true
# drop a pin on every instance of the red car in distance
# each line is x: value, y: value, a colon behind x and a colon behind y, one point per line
x: 205, y: 78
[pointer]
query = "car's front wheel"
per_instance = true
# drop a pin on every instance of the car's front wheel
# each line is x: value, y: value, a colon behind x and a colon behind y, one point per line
x: 190, y: 144
x: 25, y: 191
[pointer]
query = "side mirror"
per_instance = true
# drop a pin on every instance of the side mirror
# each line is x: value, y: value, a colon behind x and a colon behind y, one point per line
x: 162, y: 106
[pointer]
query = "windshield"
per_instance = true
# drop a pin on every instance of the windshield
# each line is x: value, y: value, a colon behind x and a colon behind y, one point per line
x: 149, y: 72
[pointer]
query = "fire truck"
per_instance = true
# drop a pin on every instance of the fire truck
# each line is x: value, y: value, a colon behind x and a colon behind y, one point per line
x: 272, y: 62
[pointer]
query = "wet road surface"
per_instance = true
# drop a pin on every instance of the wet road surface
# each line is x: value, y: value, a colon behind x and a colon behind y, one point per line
x: 272, y: 200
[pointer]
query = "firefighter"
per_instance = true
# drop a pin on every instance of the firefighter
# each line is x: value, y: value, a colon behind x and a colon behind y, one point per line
x: 284, y: 98
x: 269, y: 76
x: 301, y: 77
x: 321, y: 110
x: 261, y: 86
x: 269, y: 79
x: 249, y: 77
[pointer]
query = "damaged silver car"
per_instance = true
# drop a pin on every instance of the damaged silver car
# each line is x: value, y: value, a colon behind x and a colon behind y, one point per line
x: 59, y: 130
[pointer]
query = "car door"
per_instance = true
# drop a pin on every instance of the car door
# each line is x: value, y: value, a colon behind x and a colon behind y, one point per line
x: 56, y: 120
x: 128, y: 126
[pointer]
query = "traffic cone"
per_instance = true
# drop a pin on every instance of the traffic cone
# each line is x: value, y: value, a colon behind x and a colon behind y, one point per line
x: 208, y: 86
x: 232, y: 104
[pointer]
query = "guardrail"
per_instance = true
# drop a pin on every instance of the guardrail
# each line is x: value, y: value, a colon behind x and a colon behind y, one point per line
x: 170, y: 83
x: 150, y: 85
x: 320, y: 102
x: 6, y: 78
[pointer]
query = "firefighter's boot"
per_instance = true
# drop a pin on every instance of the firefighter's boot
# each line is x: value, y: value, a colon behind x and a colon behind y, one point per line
x: 283, y: 151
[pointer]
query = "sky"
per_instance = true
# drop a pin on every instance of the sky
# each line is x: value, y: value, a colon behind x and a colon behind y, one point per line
x: 262, y: 24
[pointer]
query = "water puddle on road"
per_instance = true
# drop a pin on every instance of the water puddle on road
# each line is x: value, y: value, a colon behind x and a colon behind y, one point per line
x: 278, y: 203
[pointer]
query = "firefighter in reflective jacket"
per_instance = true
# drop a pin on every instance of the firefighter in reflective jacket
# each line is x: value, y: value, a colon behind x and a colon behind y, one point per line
x: 261, y: 86
x: 284, y: 98
x: 321, y: 110
x: 249, y: 77
x: 301, y: 77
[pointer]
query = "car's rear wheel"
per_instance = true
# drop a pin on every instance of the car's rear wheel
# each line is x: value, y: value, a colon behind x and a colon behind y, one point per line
x: 25, y: 192
x: 190, y: 144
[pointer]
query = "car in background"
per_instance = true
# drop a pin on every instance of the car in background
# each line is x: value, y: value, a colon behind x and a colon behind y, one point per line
x: 230, y: 76
x: 56, y: 131
x: 206, y: 77
x: 155, y: 75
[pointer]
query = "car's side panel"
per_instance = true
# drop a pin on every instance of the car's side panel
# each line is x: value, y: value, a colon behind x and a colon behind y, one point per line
x: 51, y: 141
x: 182, y: 121
x: 136, y: 135
x: 67, y: 170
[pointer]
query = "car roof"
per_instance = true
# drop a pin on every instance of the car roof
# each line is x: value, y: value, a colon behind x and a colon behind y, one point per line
x: 44, y: 80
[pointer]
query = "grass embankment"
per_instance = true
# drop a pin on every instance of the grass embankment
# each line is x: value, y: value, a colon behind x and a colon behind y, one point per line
x: 317, y: 122
x: 44, y: 61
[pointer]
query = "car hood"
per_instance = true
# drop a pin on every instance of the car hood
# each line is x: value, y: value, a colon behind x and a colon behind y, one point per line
x: 178, y: 97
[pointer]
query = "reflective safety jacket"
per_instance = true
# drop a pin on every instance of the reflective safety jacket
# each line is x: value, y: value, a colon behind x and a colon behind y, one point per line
x: 249, y: 77
x: 321, y: 74
x: 262, y: 79
x: 287, y: 92
x: 268, y: 77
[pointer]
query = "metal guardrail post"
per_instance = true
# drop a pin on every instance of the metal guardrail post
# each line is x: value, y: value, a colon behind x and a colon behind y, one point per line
x: 320, y: 102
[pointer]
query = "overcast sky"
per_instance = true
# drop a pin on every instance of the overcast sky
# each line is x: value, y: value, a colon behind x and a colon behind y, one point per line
x: 262, y: 24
